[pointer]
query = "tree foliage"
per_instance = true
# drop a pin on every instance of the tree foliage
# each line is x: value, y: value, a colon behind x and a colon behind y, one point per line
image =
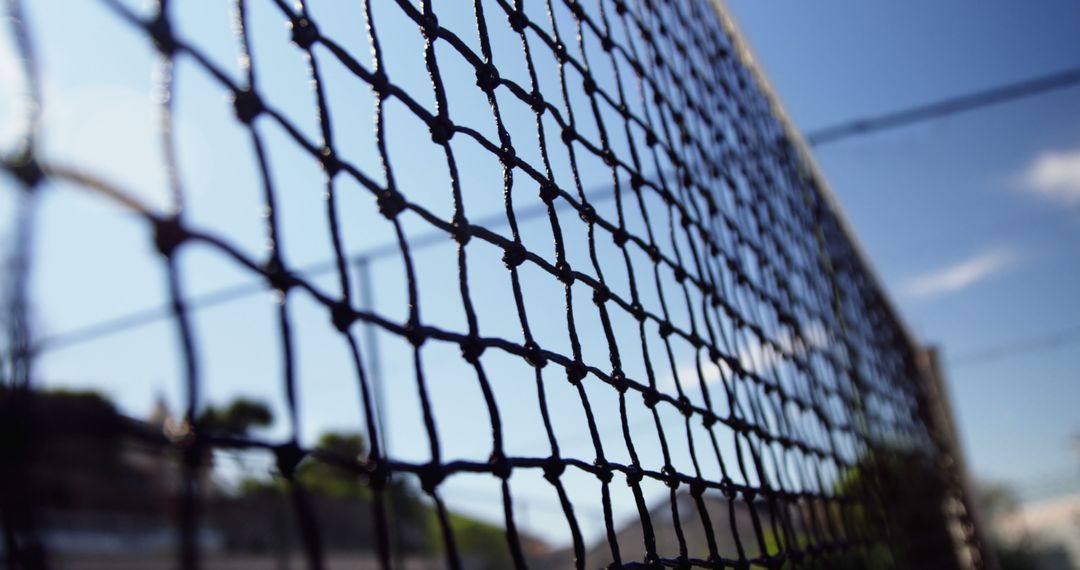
x: 237, y: 419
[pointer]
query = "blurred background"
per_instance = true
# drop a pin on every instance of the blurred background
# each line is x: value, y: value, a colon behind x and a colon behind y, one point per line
x: 971, y: 218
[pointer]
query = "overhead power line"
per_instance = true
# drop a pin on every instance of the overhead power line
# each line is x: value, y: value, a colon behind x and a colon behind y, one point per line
x: 816, y: 137
x: 139, y: 318
x: 1018, y: 347
x: 941, y: 108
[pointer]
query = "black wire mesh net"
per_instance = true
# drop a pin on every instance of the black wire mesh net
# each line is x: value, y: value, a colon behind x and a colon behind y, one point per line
x: 713, y: 376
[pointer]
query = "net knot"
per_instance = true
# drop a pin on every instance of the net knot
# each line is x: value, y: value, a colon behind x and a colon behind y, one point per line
x: 619, y: 381
x: 431, y: 475
x: 514, y: 255
x: 536, y: 101
x: 686, y: 408
x: 471, y: 348
x: 507, y: 154
x: 710, y: 204
x: 620, y: 237
x: 26, y: 169
x: 280, y: 279
x: 714, y: 249
x: 565, y: 273
x: 246, y: 105
x: 709, y: 419
x: 304, y: 32
x: 638, y: 312
x: 636, y: 181
x: 500, y: 465
x: 620, y: 7
x: 391, y: 203
x: 606, y: 43
x: 651, y: 397
x: 568, y: 135
x: 380, y: 83
x: 576, y: 372
x: 416, y: 334
x: 342, y: 316
x: 288, y: 456
x: 330, y: 163
x: 697, y: 488
x: 738, y: 321
x: 666, y: 196
x: 548, y: 191
x: 442, y: 129
x: 601, y: 294
x: 518, y: 20
x: 576, y: 9
x: 487, y: 76
x: 535, y: 355
x: 168, y: 235
x: 553, y: 469
x: 429, y: 27
x: 650, y: 138
x: 608, y: 156
x: 603, y: 471
x: 671, y: 476
x: 588, y: 85
x: 160, y: 30
x: 462, y: 230
x: 666, y: 329
x: 738, y: 424
x: 654, y: 253
x: 588, y: 214
x: 560, y: 52
x: 727, y: 488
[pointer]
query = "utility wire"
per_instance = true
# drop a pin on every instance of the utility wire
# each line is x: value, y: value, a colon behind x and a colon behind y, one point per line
x: 938, y: 109
x: 1019, y: 347
x: 816, y: 137
x: 228, y: 294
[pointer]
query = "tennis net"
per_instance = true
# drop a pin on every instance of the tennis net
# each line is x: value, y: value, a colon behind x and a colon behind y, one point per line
x: 678, y: 294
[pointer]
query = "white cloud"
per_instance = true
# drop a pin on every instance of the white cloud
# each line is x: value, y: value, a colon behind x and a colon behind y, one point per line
x: 755, y: 356
x: 109, y: 130
x: 960, y: 275
x: 1055, y: 175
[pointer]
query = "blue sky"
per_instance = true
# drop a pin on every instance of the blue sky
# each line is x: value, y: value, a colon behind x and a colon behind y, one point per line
x: 972, y: 220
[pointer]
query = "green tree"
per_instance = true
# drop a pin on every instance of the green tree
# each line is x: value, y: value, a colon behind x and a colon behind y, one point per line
x: 1024, y: 552
x: 237, y: 419
x: 335, y: 481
